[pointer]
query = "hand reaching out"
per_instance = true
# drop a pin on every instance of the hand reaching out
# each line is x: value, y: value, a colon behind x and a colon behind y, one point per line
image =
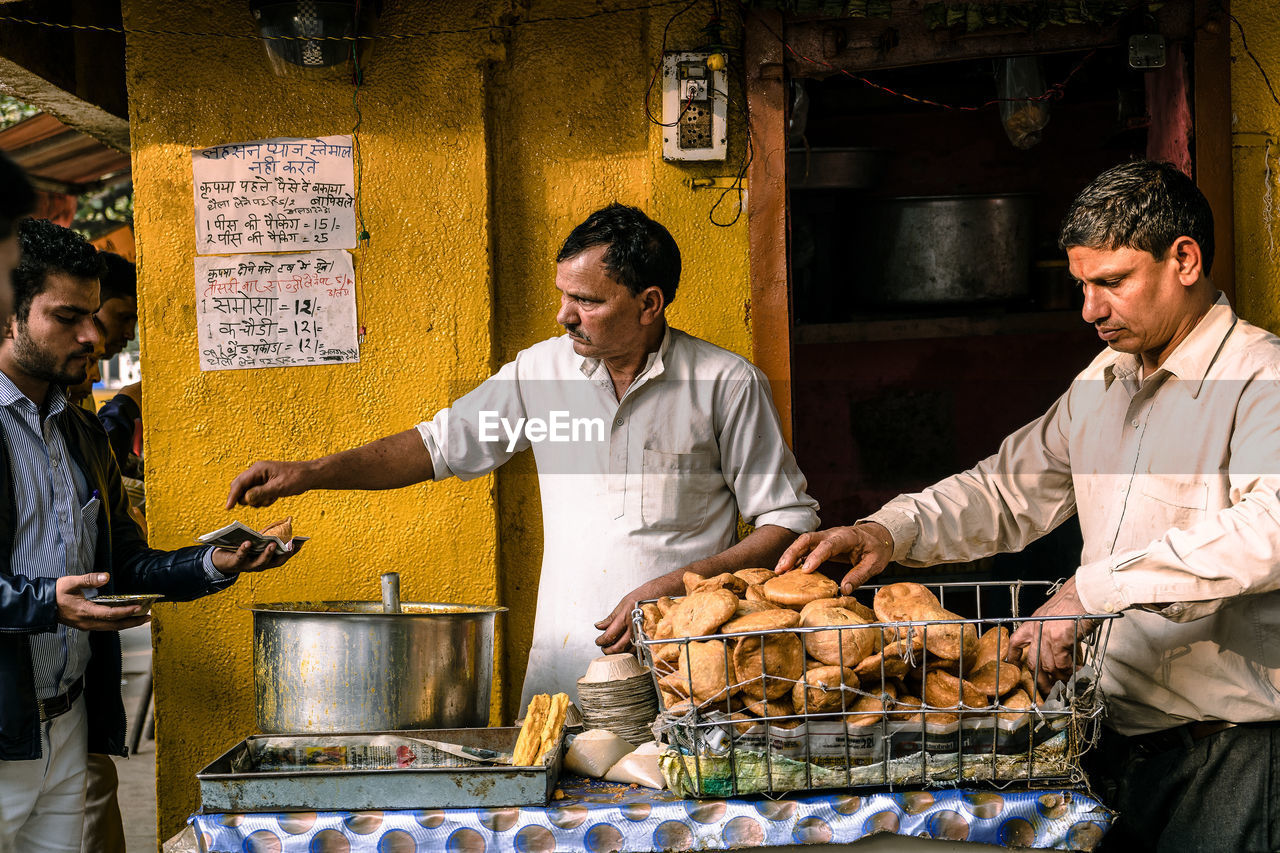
x: 868, y: 546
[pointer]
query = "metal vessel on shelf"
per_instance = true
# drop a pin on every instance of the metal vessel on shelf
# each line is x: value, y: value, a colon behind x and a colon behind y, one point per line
x: 938, y: 250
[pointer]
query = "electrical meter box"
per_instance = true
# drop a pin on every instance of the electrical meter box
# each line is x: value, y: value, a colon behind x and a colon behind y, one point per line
x: 694, y: 108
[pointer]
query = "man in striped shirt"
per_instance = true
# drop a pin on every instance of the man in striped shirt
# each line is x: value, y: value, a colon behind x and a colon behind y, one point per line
x: 66, y: 537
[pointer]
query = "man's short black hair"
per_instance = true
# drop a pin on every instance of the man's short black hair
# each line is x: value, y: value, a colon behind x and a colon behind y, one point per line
x: 119, y: 277
x: 49, y: 248
x: 1143, y: 205
x: 17, y: 196
x: 641, y: 252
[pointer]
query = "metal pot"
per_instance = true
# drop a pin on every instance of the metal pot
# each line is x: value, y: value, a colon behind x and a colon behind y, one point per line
x: 920, y: 250
x: 835, y: 168
x: 346, y: 666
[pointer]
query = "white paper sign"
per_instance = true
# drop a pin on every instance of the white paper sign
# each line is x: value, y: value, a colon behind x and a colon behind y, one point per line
x: 275, y: 195
x: 276, y: 310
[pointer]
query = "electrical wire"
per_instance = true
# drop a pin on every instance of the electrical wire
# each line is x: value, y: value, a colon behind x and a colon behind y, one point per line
x: 1052, y: 93
x: 657, y: 67
x: 362, y: 235
x: 1245, y: 44
x: 747, y: 157
x: 479, y: 28
x: 748, y: 154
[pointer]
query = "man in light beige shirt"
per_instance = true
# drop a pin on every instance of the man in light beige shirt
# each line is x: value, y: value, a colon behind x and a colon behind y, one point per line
x: 1167, y: 448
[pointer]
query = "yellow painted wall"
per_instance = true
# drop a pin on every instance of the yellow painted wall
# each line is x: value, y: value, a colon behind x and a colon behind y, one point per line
x: 1256, y: 161
x: 477, y: 161
x: 561, y: 151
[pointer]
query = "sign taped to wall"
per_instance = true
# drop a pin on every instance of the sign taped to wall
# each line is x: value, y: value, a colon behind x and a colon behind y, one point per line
x: 275, y: 195
x: 276, y: 310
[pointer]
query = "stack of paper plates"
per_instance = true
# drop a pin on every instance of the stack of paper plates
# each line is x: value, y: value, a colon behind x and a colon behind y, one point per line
x: 617, y: 695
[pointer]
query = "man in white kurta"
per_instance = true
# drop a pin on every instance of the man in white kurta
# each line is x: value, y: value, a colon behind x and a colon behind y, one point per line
x: 653, y: 482
x: 649, y: 442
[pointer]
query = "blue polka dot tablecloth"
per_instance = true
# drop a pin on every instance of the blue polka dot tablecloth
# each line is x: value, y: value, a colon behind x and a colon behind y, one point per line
x: 598, y: 817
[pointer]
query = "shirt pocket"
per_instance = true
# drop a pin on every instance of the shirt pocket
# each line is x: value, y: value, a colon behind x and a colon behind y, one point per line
x: 88, y: 544
x: 1185, y: 499
x: 675, y: 489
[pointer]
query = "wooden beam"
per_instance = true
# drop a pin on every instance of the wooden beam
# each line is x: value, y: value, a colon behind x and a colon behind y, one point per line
x: 822, y: 47
x: 767, y: 209
x: 1212, y: 117
x: 85, y: 117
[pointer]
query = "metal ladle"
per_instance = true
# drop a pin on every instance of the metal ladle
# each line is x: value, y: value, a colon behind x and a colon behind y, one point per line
x: 391, y: 592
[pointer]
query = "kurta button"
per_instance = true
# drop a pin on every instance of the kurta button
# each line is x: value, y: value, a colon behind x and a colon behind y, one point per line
x: 617, y: 422
x: 54, y: 462
x: 1135, y: 423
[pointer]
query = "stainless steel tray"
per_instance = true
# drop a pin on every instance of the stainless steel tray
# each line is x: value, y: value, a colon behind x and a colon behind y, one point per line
x: 224, y: 789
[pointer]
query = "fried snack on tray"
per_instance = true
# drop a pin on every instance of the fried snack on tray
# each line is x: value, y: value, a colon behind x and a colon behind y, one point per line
x: 705, y: 673
x: 911, y: 602
x: 841, y: 646
x: 282, y: 529
x: 543, y: 725
x: 694, y: 582
x: 701, y: 613
x: 995, y: 678
x: 796, y: 589
x: 793, y: 647
x: 748, y: 606
x: 992, y: 645
x: 530, y: 739
x: 769, y: 619
x: 756, y: 576
x: 768, y: 665
x: 554, y: 726
x: 821, y: 690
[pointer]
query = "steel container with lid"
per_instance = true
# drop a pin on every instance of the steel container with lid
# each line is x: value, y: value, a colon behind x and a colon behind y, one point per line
x: 348, y: 666
x: 922, y: 250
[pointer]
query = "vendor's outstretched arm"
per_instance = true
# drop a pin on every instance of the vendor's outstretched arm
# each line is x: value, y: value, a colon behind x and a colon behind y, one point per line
x: 761, y: 547
x: 388, y: 463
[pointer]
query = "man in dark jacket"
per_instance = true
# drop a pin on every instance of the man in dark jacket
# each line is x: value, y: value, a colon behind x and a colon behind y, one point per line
x: 65, y: 538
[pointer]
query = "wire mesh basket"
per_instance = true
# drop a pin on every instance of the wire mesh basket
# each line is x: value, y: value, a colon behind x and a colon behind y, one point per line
x: 934, y: 703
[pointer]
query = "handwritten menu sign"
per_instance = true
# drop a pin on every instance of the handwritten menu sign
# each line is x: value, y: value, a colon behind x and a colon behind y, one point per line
x: 275, y: 195
x: 276, y: 310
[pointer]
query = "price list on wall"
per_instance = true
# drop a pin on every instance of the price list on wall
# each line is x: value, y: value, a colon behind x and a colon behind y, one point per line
x: 290, y: 196
x: 276, y: 310
x: 275, y: 195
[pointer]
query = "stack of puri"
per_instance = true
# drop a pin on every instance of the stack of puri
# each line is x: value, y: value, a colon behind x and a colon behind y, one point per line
x: 756, y: 645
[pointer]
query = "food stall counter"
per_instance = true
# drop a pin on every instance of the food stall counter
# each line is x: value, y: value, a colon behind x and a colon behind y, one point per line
x: 594, y: 817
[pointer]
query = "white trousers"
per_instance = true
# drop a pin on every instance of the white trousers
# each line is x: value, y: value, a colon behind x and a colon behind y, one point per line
x: 42, y: 801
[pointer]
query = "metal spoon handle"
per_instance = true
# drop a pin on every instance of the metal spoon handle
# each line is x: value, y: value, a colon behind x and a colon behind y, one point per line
x: 391, y: 592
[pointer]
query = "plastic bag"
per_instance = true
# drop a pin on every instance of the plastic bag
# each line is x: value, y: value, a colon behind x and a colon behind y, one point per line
x: 1018, y: 79
x: 594, y: 751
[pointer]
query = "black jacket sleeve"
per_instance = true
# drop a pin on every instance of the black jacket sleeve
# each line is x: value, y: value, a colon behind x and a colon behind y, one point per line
x: 177, y: 575
x: 27, y: 605
x: 117, y: 416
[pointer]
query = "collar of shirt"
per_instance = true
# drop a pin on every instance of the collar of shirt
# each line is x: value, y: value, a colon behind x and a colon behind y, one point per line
x: 10, y: 396
x: 653, y: 366
x: 1192, y: 359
